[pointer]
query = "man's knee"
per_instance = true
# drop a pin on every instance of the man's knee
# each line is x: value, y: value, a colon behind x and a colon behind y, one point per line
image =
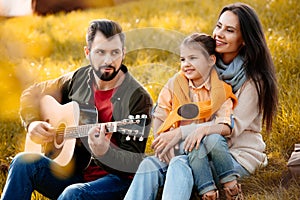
x: 24, y: 160
x: 71, y: 192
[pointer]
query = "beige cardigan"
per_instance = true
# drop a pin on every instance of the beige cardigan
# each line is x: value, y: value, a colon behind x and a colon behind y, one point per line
x: 245, y: 143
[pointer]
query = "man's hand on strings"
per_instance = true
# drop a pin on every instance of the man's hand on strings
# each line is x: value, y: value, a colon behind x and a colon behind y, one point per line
x: 99, y: 140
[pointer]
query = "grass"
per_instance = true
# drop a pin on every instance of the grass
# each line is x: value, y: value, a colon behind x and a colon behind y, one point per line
x: 36, y: 48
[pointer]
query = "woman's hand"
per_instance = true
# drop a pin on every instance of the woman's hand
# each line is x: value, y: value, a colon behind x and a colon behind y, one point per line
x: 193, y: 140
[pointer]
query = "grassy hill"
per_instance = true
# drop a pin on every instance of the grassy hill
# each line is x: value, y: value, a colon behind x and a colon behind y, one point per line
x: 35, y: 48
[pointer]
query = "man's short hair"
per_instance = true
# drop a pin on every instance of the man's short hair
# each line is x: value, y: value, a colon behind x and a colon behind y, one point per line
x: 107, y: 27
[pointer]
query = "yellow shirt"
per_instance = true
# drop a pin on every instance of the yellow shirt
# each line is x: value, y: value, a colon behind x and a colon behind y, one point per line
x: 201, y: 93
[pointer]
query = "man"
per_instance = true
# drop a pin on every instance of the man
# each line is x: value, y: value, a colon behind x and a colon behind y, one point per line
x: 105, y: 84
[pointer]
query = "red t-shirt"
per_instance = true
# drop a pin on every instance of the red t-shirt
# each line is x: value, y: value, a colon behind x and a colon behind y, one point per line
x: 104, y: 107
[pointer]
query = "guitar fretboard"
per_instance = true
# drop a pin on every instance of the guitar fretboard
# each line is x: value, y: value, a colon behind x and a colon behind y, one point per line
x: 82, y: 130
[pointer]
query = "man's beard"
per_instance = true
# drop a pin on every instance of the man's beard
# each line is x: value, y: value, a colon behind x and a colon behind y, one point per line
x: 106, y: 76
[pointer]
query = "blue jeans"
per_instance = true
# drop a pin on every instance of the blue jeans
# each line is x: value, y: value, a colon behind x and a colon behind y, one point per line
x: 29, y: 172
x: 212, y: 164
x: 176, y: 178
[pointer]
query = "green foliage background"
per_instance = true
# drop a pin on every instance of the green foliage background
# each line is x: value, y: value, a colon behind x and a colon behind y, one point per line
x: 36, y: 48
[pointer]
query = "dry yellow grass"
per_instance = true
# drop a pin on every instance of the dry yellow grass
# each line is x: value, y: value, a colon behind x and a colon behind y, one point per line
x: 36, y: 48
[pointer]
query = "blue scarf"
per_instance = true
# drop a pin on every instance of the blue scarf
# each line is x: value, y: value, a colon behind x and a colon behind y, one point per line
x: 233, y: 73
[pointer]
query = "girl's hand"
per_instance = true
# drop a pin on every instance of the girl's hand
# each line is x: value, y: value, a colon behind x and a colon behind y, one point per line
x: 166, y: 157
x: 166, y: 140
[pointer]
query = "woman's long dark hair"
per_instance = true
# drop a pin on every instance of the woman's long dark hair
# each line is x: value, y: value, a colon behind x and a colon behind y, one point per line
x: 259, y: 63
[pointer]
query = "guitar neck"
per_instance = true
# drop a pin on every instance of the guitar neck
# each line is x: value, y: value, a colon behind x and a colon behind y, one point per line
x: 82, y: 130
x: 131, y: 127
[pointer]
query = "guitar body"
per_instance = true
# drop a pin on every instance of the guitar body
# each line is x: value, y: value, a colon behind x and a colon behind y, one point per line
x: 71, y: 151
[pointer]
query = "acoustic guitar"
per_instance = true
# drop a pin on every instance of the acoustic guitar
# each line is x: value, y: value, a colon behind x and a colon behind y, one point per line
x: 72, y: 122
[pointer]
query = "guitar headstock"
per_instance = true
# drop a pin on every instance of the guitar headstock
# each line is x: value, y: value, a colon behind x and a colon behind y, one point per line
x: 133, y: 127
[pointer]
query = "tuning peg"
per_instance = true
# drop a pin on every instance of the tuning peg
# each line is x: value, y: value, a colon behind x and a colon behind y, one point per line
x: 144, y: 116
x: 130, y: 117
x: 135, y: 133
x: 137, y: 116
x: 128, y: 138
x: 141, y: 139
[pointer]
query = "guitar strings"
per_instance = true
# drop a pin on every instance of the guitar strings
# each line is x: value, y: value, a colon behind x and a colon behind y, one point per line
x: 73, y: 131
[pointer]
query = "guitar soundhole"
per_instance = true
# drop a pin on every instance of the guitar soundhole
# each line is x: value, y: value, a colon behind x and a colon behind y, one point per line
x: 60, y: 133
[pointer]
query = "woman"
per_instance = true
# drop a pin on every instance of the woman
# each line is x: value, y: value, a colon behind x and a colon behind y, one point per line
x: 245, y: 63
